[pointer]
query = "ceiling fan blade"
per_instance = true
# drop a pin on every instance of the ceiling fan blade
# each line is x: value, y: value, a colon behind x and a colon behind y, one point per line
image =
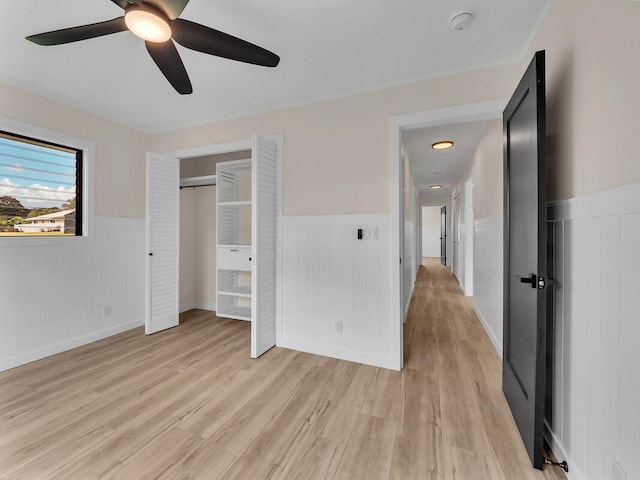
x: 170, y: 64
x: 207, y: 40
x: 121, y: 3
x: 171, y: 8
x: 75, y: 34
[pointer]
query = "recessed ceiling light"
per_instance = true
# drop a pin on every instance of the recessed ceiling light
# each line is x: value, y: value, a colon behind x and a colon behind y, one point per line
x: 435, y: 187
x: 443, y: 145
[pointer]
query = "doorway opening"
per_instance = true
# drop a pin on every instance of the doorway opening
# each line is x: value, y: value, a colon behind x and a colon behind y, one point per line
x: 198, y: 222
x: 416, y: 132
x: 432, y: 233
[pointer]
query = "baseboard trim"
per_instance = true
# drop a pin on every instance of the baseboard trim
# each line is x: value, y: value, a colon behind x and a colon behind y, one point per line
x: 561, y: 453
x: 494, y: 340
x: 408, y: 304
x: 358, y: 357
x: 68, y: 345
x: 211, y: 307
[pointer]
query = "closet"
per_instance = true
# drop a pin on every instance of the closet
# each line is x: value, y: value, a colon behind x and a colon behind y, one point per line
x: 239, y: 269
x: 198, y: 215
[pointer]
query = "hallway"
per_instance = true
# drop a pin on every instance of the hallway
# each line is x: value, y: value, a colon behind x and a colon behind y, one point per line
x: 470, y: 433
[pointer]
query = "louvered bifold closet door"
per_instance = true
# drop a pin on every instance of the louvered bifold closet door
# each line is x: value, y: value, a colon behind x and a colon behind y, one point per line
x: 264, y: 164
x: 162, y: 241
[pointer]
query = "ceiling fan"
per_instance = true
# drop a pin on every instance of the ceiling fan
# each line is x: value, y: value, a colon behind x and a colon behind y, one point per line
x: 157, y: 23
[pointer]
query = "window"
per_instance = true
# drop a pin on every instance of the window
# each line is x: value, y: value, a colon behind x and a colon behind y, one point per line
x: 60, y: 148
x: 41, y: 185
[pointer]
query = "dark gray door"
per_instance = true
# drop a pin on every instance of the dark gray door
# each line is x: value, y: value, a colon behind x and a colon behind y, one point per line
x: 525, y: 261
x: 443, y: 235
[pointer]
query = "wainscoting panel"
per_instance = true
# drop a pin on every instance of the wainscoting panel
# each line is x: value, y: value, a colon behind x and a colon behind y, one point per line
x: 487, y: 276
x: 595, y: 420
x: 53, y: 298
x: 332, y: 281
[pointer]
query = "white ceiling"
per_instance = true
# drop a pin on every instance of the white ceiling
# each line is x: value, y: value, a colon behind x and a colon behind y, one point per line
x: 328, y: 48
x: 441, y: 167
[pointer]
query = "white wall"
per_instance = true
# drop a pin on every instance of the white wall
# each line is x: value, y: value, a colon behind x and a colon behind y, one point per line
x: 120, y: 151
x: 329, y: 277
x: 488, y: 275
x: 486, y: 167
x: 590, y: 79
x: 409, y: 260
x: 198, y: 248
x: 336, y: 152
x: 188, y: 257
x: 468, y: 237
x: 52, y: 298
x: 597, y: 333
x: 431, y: 231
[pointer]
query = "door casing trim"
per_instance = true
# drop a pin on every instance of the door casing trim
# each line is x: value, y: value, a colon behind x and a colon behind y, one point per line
x: 471, y: 112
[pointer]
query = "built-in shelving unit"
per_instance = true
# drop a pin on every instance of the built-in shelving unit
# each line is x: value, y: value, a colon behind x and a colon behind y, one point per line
x: 234, y: 260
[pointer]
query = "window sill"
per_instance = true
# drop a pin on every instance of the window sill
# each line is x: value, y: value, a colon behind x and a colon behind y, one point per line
x: 18, y: 242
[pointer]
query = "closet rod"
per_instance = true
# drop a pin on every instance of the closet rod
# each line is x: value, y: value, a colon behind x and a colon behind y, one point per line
x: 196, y: 186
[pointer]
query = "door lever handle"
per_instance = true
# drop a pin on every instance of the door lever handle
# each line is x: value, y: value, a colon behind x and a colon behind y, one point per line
x: 531, y: 279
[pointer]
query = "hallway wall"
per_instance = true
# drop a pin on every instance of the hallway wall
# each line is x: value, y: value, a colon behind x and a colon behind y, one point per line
x: 486, y: 163
x: 409, y: 261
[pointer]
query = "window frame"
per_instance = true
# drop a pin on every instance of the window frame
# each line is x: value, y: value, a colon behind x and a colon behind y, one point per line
x: 87, y: 147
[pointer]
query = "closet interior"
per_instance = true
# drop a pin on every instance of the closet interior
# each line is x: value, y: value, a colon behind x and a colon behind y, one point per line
x: 199, y: 213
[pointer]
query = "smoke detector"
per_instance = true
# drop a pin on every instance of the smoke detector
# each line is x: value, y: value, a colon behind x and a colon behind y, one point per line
x: 461, y: 21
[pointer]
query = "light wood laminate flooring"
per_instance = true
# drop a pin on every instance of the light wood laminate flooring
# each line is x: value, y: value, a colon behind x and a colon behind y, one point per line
x: 189, y: 403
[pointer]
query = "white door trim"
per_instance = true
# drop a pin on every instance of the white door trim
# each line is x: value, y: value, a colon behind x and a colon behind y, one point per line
x: 216, y: 149
x: 442, y: 116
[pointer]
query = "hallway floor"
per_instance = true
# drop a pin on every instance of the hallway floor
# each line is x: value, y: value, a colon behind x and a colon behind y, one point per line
x: 471, y: 433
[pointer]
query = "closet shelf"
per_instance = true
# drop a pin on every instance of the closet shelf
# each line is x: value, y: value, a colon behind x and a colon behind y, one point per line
x: 241, y: 203
x: 240, y: 313
x: 198, y: 181
x: 235, y: 291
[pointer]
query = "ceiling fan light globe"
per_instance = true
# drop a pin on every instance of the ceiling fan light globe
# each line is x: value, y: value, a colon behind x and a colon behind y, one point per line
x: 147, y: 25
